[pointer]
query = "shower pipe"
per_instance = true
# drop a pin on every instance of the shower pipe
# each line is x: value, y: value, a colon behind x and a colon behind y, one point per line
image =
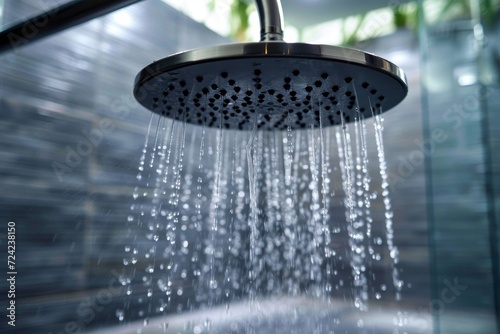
x: 80, y: 11
x: 271, y: 20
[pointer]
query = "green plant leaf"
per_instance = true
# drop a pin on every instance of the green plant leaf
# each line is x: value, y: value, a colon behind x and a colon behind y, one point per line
x: 239, y: 19
x: 351, y: 37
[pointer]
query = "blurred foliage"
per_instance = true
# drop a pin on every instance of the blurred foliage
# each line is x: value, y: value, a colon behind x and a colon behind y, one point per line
x: 352, y: 36
x: 455, y: 9
x: 489, y: 10
x: 239, y: 17
x: 357, y: 28
x: 240, y: 11
x: 462, y: 9
x: 405, y: 15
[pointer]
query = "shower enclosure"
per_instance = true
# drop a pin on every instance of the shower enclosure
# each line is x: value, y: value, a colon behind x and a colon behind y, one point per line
x: 72, y: 136
x: 460, y: 80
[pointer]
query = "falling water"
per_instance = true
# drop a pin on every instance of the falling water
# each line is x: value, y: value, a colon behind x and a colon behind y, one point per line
x: 389, y: 214
x: 257, y: 219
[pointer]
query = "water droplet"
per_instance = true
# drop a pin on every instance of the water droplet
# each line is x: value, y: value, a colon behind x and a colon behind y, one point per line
x: 120, y: 314
x: 394, y: 253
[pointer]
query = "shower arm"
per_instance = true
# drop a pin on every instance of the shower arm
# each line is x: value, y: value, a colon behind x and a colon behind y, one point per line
x: 271, y: 20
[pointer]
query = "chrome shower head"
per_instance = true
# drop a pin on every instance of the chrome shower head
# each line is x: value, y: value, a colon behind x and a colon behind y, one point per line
x: 271, y: 84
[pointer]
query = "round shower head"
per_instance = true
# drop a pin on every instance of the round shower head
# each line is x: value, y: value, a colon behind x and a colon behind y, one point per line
x: 270, y: 85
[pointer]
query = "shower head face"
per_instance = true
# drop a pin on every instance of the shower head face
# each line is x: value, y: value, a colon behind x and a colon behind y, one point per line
x: 270, y: 86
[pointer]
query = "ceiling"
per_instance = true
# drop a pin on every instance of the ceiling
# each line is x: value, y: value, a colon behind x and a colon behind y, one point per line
x: 303, y: 13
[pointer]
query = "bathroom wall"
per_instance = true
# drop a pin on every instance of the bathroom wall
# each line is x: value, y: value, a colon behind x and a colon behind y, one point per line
x: 71, y: 137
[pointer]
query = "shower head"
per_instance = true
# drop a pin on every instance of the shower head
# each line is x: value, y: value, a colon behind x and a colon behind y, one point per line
x: 270, y: 84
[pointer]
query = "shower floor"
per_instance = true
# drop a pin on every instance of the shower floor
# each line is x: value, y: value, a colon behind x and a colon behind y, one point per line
x: 282, y: 315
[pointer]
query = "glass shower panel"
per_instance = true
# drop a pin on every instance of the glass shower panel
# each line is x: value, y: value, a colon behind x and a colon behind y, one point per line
x: 460, y: 81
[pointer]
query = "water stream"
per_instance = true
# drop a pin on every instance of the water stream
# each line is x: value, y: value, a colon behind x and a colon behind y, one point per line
x: 236, y: 220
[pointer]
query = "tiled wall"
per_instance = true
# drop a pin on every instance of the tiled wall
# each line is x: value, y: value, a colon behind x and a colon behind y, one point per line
x: 54, y: 93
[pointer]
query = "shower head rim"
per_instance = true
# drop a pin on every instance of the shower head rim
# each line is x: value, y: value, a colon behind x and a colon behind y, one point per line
x: 269, y: 49
x: 274, y: 85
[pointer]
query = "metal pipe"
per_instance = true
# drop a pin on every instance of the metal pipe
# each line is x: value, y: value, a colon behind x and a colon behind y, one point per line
x: 271, y: 20
x: 56, y: 20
